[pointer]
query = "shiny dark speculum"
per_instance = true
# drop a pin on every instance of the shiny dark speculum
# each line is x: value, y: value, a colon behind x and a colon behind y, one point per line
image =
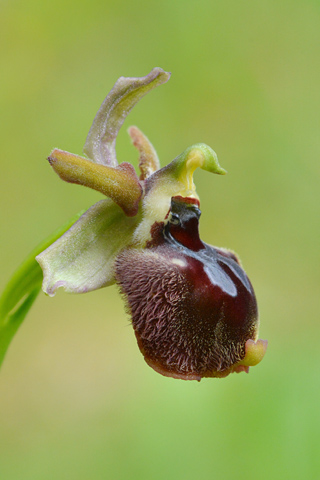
x: 192, y: 305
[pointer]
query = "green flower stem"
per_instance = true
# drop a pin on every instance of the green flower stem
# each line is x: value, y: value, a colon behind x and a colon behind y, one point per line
x: 22, y: 290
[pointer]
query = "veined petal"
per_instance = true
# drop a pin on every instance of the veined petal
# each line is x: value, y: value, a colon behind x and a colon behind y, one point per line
x: 101, y: 139
x: 83, y: 258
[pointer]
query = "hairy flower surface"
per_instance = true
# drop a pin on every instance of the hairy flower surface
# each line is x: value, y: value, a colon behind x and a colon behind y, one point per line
x: 193, y: 308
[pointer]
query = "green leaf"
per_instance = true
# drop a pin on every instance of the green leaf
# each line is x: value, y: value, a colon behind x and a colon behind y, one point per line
x: 22, y: 289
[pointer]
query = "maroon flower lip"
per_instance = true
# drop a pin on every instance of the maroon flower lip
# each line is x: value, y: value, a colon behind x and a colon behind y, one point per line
x: 192, y: 306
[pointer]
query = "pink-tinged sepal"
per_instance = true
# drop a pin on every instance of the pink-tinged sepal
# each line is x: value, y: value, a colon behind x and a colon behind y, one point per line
x: 127, y: 91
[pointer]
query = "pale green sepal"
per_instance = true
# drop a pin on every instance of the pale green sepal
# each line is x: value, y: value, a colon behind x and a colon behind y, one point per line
x: 101, y: 140
x: 82, y: 259
x: 22, y: 290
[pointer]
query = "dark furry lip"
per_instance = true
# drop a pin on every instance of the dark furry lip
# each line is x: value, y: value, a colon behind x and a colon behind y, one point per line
x: 192, y: 306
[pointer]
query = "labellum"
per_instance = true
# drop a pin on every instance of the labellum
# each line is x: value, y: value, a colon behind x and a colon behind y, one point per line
x: 193, y: 308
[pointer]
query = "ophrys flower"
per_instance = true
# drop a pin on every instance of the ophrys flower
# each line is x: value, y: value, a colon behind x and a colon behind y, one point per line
x: 193, y: 308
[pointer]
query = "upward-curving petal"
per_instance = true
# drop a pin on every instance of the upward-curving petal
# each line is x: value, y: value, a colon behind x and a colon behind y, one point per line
x: 83, y: 258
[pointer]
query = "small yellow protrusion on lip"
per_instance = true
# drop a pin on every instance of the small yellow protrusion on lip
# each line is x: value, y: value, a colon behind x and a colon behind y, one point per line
x: 255, y: 351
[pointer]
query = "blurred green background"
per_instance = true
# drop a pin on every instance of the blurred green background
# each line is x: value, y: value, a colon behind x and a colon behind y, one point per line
x: 77, y: 401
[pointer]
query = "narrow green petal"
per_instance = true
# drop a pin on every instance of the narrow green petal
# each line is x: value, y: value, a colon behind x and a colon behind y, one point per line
x: 101, y: 140
x: 82, y: 259
x: 22, y: 290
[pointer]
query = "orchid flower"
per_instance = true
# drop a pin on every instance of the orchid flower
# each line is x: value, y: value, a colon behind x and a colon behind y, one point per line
x: 192, y: 307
